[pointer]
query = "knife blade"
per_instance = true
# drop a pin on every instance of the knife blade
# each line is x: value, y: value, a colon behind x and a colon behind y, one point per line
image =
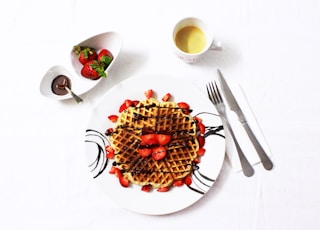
x: 234, y: 106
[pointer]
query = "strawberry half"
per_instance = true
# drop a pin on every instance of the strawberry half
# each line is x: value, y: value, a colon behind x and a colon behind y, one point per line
x: 148, y: 93
x: 163, y: 139
x: 85, y: 54
x: 124, y: 181
x: 146, y: 188
x: 144, y: 152
x: 149, y: 139
x: 185, y: 107
x: 159, y: 153
x: 93, y: 70
x: 166, y: 97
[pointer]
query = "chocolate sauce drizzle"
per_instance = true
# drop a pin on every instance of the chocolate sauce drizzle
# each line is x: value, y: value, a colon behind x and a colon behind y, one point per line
x: 100, y: 163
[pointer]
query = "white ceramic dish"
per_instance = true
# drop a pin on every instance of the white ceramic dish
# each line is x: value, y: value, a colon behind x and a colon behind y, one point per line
x: 109, y: 40
x: 132, y: 198
x: 46, y: 82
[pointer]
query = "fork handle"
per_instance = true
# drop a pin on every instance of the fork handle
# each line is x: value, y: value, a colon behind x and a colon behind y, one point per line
x: 265, y: 160
x: 246, y: 166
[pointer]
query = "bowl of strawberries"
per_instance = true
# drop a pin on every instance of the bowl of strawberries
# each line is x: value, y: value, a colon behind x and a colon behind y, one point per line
x: 93, y: 57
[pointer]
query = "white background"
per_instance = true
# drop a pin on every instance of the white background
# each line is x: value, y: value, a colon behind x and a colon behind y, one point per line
x: 271, y: 48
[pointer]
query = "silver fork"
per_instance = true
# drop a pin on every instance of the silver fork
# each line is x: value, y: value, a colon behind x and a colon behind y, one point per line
x: 216, y: 99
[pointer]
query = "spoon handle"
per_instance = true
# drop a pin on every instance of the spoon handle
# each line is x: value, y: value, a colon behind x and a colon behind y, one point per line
x: 76, y: 97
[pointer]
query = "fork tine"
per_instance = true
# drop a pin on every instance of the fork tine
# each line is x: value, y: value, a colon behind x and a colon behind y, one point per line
x: 213, y: 93
x: 209, y: 94
x: 218, y: 93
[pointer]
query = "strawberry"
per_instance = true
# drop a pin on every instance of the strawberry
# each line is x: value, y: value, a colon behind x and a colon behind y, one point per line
x: 124, y: 181
x: 128, y: 103
x: 185, y: 107
x: 201, y: 152
x: 114, y: 170
x: 85, y: 54
x: 122, y: 107
x: 144, y: 152
x: 202, y: 127
x: 113, y: 118
x: 159, y: 153
x: 163, y: 189
x: 201, y: 141
x: 166, y: 97
x: 149, y: 139
x: 105, y: 57
x: 148, y: 93
x: 93, y: 70
x: 187, y: 180
x: 109, y: 131
x: 163, y: 139
x: 135, y: 103
x: 146, y: 188
x: 196, y: 161
x: 110, y: 152
x: 178, y: 183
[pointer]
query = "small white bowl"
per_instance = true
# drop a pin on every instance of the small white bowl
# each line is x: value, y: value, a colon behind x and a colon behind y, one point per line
x: 46, y: 82
x: 109, y: 40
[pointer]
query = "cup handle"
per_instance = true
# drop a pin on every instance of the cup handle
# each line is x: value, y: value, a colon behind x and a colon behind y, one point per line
x: 216, y: 45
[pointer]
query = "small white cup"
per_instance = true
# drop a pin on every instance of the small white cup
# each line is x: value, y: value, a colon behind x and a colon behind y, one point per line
x: 192, y: 39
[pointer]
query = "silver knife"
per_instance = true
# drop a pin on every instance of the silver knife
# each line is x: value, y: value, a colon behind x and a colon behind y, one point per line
x: 234, y: 106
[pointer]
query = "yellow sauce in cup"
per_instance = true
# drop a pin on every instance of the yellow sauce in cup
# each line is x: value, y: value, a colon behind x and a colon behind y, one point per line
x: 190, y: 39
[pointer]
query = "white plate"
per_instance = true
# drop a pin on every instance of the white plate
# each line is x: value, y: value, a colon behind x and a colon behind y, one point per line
x: 132, y: 198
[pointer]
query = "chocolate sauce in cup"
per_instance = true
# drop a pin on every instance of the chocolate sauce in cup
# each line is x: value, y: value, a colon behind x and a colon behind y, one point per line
x: 59, y: 85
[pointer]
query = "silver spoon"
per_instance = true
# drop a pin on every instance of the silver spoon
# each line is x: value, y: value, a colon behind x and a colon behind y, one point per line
x: 76, y: 97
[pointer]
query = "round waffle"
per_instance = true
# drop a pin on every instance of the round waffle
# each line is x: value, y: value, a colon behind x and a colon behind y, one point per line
x: 153, y: 116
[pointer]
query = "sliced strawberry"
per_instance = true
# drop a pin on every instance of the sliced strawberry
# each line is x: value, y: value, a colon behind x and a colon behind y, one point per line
x: 110, y: 152
x: 201, y: 152
x: 109, y: 131
x: 185, y: 107
x: 202, y: 128
x: 135, y: 103
x: 201, y: 141
x: 163, y: 189
x: 126, y: 104
x: 113, y: 170
x: 124, y: 181
x: 159, y: 152
x: 149, y: 139
x: 116, y: 171
x: 166, y: 97
x: 198, y: 119
x: 163, y: 139
x: 145, y: 152
x: 146, y: 188
x: 196, y: 161
x: 148, y: 93
x: 187, y: 180
x: 113, y: 118
x: 178, y: 183
x: 122, y: 107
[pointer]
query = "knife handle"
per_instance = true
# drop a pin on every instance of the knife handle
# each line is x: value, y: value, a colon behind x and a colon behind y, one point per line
x: 245, y: 164
x: 265, y: 160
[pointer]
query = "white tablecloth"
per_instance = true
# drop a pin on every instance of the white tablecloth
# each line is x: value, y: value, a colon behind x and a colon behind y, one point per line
x: 271, y: 48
